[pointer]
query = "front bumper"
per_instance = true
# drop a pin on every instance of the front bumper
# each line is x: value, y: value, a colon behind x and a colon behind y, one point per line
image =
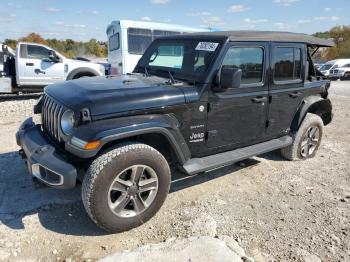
x: 43, y: 160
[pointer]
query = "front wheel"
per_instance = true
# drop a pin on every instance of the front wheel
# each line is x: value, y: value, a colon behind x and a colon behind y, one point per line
x: 126, y: 186
x: 306, y: 140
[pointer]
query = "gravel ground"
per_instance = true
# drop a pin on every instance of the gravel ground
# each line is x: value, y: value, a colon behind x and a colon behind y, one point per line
x: 275, y: 209
x: 205, y: 248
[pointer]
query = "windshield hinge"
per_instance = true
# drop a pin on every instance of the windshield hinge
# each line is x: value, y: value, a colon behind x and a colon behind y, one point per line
x: 146, y: 72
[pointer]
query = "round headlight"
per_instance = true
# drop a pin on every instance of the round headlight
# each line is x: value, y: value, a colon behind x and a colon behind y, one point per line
x: 67, y: 122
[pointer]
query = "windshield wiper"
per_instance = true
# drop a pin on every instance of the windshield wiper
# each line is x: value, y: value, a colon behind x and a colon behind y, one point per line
x: 172, y: 80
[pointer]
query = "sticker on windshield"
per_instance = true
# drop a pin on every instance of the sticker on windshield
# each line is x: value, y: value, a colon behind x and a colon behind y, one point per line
x: 207, y: 46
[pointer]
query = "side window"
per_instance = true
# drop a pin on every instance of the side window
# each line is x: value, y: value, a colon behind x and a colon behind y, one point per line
x: 36, y: 52
x: 288, y: 64
x: 160, y: 33
x: 249, y: 59
x: 1, y: 58
x: 23, y: 51
x: 347, y: 65
x: 113, y: 42
x: 139, y: 40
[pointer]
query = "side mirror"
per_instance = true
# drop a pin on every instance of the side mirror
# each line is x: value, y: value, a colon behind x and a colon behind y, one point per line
x: 53, y: 56
x: 230, y: 77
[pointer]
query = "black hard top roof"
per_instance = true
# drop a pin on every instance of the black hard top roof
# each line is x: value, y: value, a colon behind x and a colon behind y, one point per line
x: 269, y: 36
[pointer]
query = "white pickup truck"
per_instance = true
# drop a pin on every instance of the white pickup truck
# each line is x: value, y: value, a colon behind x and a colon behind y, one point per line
x: 34, y: 66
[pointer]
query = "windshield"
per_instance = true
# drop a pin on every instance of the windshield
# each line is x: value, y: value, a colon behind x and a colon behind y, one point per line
x: 182, y: 59
x: 326, y: 67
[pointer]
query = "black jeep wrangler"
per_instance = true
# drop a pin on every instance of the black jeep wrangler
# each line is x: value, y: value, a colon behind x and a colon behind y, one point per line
x: 194, y: 102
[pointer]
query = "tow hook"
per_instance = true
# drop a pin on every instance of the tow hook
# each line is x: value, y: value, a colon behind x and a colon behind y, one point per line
x: 21, y: 153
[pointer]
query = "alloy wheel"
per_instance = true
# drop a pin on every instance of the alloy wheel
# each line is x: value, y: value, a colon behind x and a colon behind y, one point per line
x: 310, y: 141
x: 133, y: 191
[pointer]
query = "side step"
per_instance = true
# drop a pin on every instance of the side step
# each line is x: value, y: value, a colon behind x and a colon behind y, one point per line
x: 197, y: 165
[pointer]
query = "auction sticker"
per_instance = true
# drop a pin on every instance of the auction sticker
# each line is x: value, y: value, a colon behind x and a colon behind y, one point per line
x: 207, y: 46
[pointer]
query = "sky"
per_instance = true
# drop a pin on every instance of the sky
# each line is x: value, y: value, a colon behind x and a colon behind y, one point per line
x: 83, y: 20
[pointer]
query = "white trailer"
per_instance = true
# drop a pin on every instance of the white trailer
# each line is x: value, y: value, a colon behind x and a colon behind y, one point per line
x: 128, y: 40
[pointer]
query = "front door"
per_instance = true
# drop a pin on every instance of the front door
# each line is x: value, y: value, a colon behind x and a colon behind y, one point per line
x: 36, y: 68
x: 237, y: 117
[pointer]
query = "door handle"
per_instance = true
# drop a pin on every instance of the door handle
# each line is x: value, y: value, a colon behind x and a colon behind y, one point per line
x: 29, y: 64
x: 259, y: 99
x: 295, y: 94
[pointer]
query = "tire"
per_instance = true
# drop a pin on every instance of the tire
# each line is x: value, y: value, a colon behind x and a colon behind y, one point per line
x: 306, y: 140
x: 113, y: 208
x: 346, y: 76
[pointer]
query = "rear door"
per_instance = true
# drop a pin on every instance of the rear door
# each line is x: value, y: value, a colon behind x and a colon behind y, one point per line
x: 287, y: 86
x: 237, y: 117
x: 35, y: 67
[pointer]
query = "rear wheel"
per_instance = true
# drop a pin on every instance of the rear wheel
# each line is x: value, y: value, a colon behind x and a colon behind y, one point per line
x: 125, y: 187
x: 346, y: 76
x: 306, y: 140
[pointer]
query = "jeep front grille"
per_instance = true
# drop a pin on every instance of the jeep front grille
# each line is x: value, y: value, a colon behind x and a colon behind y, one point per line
x: 50, y: 117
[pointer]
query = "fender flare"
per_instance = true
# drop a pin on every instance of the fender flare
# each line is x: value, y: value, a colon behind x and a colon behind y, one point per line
x: 81, y: 70
x: 165, y: 125
x: 311, y: 104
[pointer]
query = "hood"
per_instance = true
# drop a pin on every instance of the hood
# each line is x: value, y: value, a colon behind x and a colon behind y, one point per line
x: 110, y: 95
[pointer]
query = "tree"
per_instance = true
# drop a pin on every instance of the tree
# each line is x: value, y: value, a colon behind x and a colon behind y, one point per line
x: 68, y: 47
x: 341, y: 38
x: 33, y: 38
x: 11, y: 43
